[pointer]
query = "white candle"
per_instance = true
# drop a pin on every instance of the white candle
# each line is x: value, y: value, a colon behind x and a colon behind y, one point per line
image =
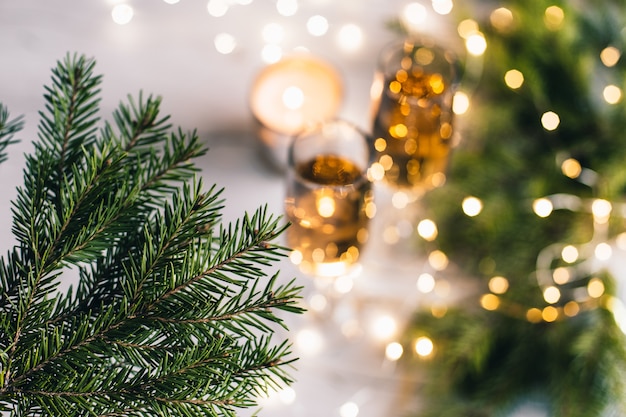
x: 290, y: 94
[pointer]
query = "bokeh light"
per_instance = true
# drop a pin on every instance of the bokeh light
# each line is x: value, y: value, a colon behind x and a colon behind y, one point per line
x: 543, y: 207
x: 122, y: 14
x: 225, y: 43
x: 350, y: 37
x: 550, y: 120
x: 424, y: 346
x: 514, y: 79
x: 461, y: 103
x: 287, y: 7
x: 425, y: 283
x: 472, y: 206
x: 427, y: 229
x: 317, y: 25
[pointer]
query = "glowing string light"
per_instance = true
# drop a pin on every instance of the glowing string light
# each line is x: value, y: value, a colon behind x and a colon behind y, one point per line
x: 225, y: 43
x: 442, y: 7
x: 122, y: 14
x: 612, y: 94
x: 349, y: 409
x: 427, y: 229
x: 476, y: 44
x: 217, y: 8
x: 472, y: 206
x: 317, y: 25
x: 461, y: 103
x: 350, y: 37
x: 550, y: 120
x: 287, y: 7
x: 424, y: 346
x: 514, y: 79
x: 609, y: 56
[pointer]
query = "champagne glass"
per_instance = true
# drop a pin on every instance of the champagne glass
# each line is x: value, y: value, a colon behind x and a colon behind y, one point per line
x: 412, y: 127
x: 329, y: 198
x: 412, y: 117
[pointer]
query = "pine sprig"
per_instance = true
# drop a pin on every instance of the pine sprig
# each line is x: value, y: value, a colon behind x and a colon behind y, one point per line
x: 8, y: 128
x: 173, y: 312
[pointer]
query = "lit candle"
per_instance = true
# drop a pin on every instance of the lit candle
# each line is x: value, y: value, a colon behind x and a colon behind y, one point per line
x: 290, y: 94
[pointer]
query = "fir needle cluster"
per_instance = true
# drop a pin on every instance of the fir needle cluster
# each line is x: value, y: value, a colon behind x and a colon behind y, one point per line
x: 172, y: 312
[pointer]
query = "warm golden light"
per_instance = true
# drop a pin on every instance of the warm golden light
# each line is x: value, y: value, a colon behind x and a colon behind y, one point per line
x: 414, y: 14
x: 553, y: 17
x: 472, y: 206
x: 501, y: 19
x: 552, y: 295
x: 550, y: 120
x: 461, y: 103
x: 571, y: 309
x: 595, y: 288
x: 490, y: 302
x: 425, y: 283
x: 498, y: 285
x: 467, y: 27
x: 325, y: 206
x: 534, y: 315
x: 612, y: 94
x: 442, y: 7
x: 376, y: 172
x: 542, y: 207
x: 394, y: 351
x: 610, y: 55
x: 571, y: 168
x: 561, y: 276
x: 514, y: 79
x: 569, y: 254
x: 550, y: 314
x: 603, y: 251
x: 601, y: 210
x: 427, y: 229
x: 399, y: 199
x: 424, y: 346
x: 476, y: 44
x: 293, y: 97
x: 295, y: 257
x: 384, y: 327
x: 438, y: 260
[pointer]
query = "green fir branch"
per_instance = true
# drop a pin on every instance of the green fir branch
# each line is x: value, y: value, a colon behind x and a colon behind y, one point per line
x: 173, y: 312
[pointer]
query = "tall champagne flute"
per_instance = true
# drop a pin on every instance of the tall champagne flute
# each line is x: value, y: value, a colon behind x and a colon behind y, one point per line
x: 413, y: 133
x: 412, y: 118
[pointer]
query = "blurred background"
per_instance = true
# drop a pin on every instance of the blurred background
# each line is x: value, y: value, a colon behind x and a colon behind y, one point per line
x: 509, y: 278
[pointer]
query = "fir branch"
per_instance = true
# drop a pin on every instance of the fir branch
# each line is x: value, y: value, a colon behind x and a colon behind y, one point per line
x: 168, y: 317
x: 8, y: 128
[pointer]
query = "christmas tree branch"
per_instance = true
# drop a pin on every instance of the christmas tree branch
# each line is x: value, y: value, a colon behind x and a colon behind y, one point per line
x: 168, y: 317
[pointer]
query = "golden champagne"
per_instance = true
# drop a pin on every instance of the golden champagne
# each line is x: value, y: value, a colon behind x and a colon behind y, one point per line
x: 327, y: 204
x: 412, y: 129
